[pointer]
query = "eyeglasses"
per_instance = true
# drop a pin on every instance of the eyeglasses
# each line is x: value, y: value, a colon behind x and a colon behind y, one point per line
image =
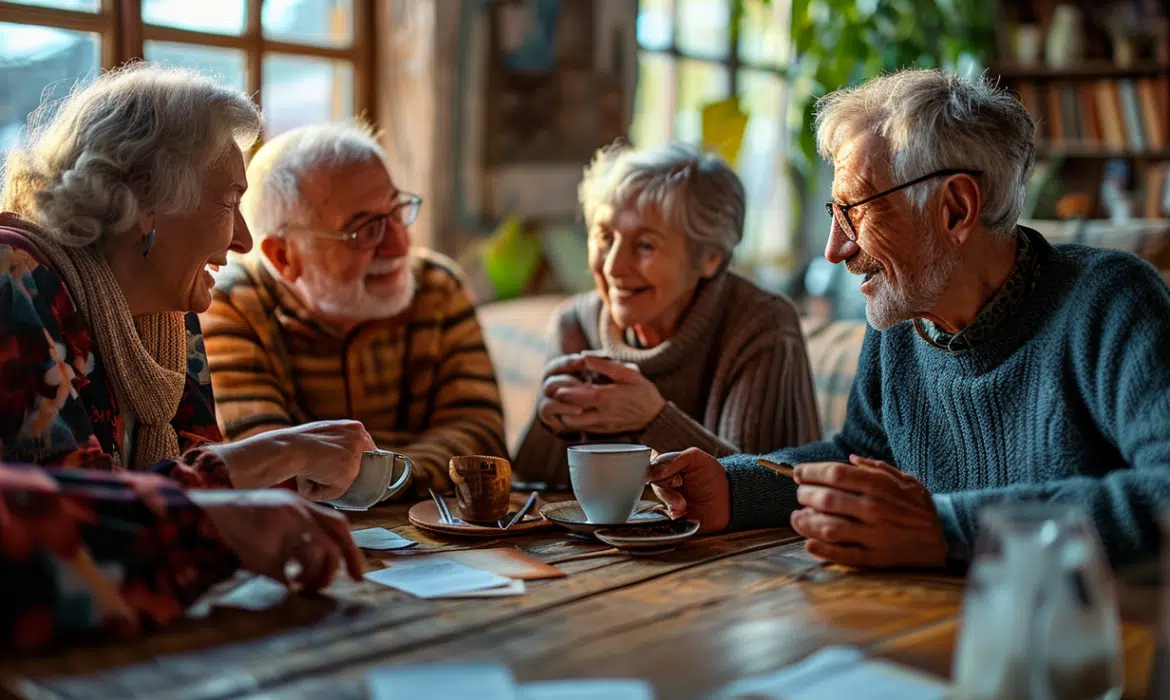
x: 840, y: 212
x: 373, y: 231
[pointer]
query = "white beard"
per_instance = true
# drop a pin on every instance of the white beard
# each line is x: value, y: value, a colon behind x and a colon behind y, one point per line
x: 352, y: 299
x: 888, y: 304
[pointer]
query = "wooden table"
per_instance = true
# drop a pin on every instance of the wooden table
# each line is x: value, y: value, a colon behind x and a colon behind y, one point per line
x: 717, y: 609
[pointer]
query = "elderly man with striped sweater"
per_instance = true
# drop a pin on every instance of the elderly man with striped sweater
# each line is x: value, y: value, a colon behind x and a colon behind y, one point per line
x: 333, y: 314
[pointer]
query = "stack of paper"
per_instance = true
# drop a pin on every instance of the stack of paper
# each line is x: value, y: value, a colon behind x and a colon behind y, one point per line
x: 379, y: 538
x: 435, y: 577
x: 490, y: 681
x: 839, y: 672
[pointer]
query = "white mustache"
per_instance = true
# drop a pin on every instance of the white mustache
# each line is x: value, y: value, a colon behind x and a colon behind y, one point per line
x: 386, y: 266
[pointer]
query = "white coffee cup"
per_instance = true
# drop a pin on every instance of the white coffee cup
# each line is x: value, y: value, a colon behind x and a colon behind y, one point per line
x: 372, y: 484
x: 608, y: 480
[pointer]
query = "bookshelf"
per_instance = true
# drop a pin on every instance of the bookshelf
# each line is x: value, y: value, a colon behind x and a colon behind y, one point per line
x: 1101, y: 106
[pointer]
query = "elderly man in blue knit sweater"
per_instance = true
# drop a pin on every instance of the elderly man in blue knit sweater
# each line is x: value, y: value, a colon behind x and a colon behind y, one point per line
x: 997, y: 367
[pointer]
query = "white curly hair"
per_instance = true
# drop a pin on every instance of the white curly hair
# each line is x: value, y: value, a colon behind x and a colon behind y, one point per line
x: 143, y: 136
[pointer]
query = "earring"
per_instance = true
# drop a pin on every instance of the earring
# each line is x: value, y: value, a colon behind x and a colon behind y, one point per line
x: 148, y: 239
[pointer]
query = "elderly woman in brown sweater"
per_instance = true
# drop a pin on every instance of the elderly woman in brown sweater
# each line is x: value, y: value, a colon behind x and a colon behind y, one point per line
x: 672, y: 350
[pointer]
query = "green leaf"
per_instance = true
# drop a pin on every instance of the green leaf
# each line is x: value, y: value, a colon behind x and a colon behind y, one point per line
x: 799, y: 11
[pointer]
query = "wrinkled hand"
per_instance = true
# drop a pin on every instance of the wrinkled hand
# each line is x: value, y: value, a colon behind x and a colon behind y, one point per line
x: 325, y: 457
x: 867, y: 514
x: 277, y: 533
x: 627, y: 404
x: 694, y: 484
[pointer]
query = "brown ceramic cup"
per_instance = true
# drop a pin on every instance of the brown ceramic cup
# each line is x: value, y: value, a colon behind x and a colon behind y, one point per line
x: 483, y: 487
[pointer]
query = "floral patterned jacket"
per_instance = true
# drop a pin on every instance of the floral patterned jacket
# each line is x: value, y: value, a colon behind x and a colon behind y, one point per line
x: 68, y: 532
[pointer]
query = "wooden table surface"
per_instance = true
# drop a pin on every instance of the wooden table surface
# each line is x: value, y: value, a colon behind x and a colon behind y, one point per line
x: 717, y: 609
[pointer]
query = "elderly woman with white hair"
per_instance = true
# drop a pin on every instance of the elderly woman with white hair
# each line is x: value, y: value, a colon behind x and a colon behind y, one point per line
x: 672, y: 349
x: 114, y: 206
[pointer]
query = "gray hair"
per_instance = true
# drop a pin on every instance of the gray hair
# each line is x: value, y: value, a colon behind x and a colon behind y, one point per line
x: 140, y: 136
x: 697, y: 193
x: 277, y: 170
x: 932, y: 120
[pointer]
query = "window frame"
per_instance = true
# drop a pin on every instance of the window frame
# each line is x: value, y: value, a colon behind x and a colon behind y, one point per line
x: 123, y: 34
x: 732, y: 62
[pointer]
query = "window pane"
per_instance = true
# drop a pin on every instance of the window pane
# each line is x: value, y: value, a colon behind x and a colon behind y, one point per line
x: 227, y: 65
x: 763, y: 38
x: 702, y: 27
x: 36, y: 62
x: 212, y: 16
x: 762, y: 168
x: 76, y: 5
x: 700, y: 83
x: 319, y: 22
x: 652, y: 109
x: 300, y: 90
x: 655, y: 23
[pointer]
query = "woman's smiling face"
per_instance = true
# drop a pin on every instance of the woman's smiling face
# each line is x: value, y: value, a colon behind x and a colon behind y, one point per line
x: 645, y: 271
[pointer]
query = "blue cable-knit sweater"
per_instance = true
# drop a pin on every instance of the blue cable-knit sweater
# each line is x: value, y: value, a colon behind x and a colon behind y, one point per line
x: 1067, y: 401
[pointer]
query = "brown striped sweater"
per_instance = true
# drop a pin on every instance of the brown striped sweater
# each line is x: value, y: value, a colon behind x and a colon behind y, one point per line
x: 735, y: 376
x: 422, y: 382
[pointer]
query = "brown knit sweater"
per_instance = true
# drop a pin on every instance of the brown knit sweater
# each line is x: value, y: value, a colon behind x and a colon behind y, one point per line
x: 735, y: 376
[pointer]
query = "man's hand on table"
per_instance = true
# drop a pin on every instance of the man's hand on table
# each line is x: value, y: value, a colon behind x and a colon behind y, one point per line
x: 867, y: 514
x: 694, y: 484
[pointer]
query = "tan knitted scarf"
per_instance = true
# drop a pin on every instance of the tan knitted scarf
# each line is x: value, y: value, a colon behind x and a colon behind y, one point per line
x: 145, y: 358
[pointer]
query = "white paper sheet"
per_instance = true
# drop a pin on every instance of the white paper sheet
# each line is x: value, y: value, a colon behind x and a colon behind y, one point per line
x: 381, y: 539
x: 516, y: 587
x: 588, y: 689
x: 257, y: 593
x: 434, y: 578
x: 840, y: 672
x: 442, y: 682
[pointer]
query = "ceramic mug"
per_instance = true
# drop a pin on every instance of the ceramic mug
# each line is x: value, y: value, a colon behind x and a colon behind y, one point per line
x: 372, y: 485
x: 608, y: 480
x: 483, y: 487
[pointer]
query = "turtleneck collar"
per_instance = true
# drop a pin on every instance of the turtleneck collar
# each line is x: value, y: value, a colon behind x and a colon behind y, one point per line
x: 696, y: 329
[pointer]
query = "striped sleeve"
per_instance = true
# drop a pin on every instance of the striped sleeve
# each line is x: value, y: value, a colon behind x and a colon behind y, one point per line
x: 248, y: 394
x: 466, y: 416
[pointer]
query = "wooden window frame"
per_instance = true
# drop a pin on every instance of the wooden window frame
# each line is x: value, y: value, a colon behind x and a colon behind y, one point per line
x: 123, y: 33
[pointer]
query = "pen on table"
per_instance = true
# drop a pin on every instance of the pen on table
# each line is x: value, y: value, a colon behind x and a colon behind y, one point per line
x: 781, y: 469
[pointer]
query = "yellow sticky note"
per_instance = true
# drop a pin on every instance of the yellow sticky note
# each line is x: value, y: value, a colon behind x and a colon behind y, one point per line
x: 723, y: 128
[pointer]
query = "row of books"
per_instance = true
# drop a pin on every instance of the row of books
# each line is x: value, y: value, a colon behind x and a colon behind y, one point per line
x: 1155, y: 202
x: 1126, y: 114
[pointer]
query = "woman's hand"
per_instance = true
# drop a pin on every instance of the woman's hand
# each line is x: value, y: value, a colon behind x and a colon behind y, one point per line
x: 281, y: 535
x: 627, y: 404
x: 324, y: 456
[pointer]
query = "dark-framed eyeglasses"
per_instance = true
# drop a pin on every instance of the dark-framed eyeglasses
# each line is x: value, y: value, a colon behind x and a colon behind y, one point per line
x: 840, y: 212
x: 371, y: 232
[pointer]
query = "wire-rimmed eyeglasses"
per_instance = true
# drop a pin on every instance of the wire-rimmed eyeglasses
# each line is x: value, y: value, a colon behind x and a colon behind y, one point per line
x: 371, y: 232
x: 840, y: 212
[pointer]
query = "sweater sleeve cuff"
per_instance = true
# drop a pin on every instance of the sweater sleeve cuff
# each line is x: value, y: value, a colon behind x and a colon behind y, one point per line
x: 197, y: 468
x: 958, y: 545
x: 760, y: 498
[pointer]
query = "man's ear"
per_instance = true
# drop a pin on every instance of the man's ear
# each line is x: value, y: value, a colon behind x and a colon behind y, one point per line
x: 962, y: 203
x: 282, y: 257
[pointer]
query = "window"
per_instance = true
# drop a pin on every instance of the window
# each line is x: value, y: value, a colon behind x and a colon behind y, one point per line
x: 688, y: 57
x: 303, y: 61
